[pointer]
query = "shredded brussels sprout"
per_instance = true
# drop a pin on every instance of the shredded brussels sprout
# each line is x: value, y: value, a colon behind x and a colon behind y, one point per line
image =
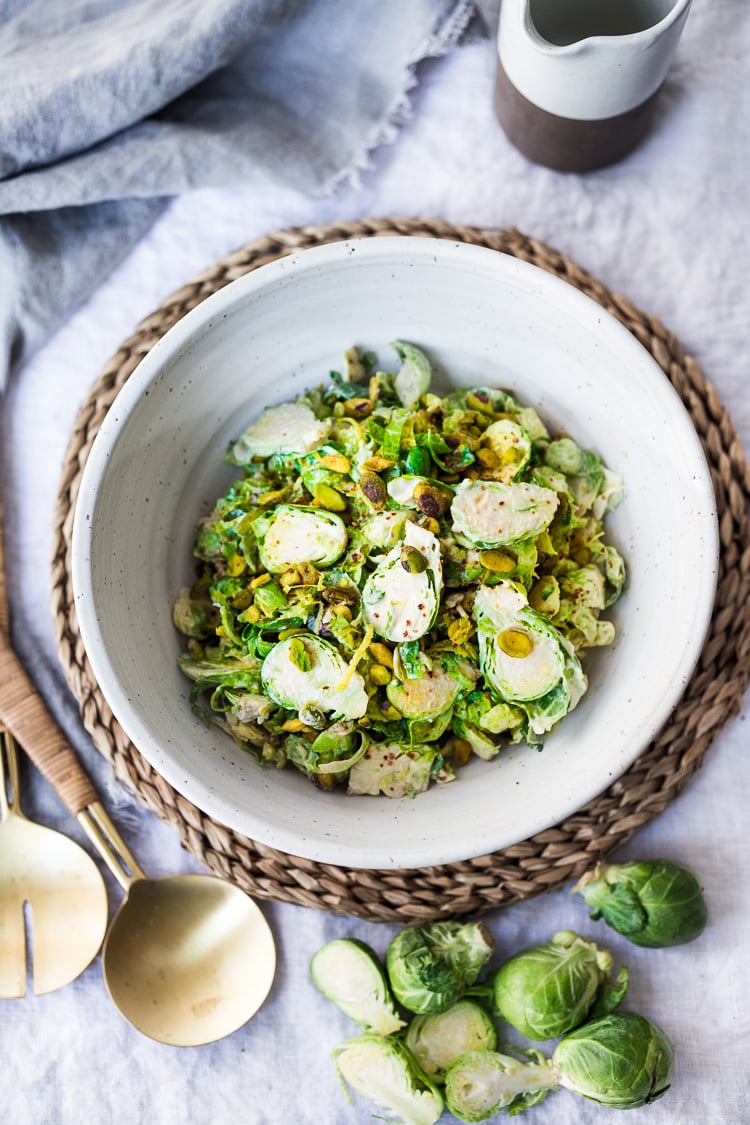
x: 431, y: 569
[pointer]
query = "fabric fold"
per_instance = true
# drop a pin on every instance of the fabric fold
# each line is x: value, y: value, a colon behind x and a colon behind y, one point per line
x: 119, y: 104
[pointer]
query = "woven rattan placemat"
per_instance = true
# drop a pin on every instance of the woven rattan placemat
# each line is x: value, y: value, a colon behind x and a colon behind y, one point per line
x: 550, y: 858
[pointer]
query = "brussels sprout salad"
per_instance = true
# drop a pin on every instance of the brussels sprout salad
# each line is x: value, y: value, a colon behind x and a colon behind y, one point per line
x: 398, y: 581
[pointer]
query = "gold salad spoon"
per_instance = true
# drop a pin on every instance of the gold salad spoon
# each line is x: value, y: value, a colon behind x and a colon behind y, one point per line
x: 188, y: 959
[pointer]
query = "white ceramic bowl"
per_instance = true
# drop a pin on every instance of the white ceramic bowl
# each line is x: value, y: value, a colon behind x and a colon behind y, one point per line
x: 485, y: 318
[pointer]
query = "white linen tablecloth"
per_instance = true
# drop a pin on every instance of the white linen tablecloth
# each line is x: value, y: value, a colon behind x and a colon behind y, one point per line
x: 667, y: 227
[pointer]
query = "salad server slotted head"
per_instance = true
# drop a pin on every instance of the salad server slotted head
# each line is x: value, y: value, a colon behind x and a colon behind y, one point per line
x: 43, y: 871
x: 188, y: 958
x: 62, y: 887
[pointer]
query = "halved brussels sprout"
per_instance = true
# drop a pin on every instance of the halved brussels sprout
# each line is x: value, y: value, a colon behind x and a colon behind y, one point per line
x: 429, y: 730
x: 401, y: 601
x: 385, y: 1071
x: 583, y: 469
x: 191, y: 614
x: 531, y: 422
x: 424, y: 698
x: 621, y: 1060
x: 481, y: 744
x: 289, y: 428
x: 545, y: 712
x: 611, y: 493
x: 519, y: 651
x: 413, y: 378
x: 251, y: 707
x: 385, y: 529
x: 292, y: 535
x: 501, y: 718
x: 490, y: 513
x: 613, y: 566
x: 478, y: 720
x: 582, y: 626
x: 585, y: 586
x: 511, y: 444
x: 438, y: 1039
x: 303, y: 674
x: 481, y: 1083
x: 392, y: 769
x: 347, y: 972
x: 216, y: 667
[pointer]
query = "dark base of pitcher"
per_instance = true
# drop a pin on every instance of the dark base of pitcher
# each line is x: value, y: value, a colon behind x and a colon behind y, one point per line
x: 564, y: 143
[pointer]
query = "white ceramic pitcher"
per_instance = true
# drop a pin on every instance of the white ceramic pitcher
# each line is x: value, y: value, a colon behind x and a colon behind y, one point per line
x: 577, y: 79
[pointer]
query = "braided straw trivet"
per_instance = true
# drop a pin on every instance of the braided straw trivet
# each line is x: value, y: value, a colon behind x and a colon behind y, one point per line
x: 550, y: 858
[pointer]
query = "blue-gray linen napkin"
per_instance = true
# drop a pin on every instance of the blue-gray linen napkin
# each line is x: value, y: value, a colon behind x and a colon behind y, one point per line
x: 108, y: 107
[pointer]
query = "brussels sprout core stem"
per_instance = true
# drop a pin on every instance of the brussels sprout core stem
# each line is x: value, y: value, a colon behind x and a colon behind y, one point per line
x: 481, y: 1083
x: 529, y: 1078
x: 588, y: 877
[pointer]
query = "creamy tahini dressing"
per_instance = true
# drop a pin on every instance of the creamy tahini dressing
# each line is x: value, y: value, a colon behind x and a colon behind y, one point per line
x: 290, y: 428
x: 400, y: 605
x: 493, y: 513
x: 295, y: 535
x: 401, y: 489
x: 514, y: 677
x: 534, y: 674
x: 290, y: 687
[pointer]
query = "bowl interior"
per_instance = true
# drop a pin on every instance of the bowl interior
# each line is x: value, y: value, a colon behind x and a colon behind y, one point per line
x: 485, y: 319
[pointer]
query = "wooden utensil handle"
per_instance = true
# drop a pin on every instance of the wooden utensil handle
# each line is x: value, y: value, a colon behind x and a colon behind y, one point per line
x: 25, y: 714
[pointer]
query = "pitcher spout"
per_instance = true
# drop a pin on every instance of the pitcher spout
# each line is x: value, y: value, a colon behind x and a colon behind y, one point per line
x: 559, y: 24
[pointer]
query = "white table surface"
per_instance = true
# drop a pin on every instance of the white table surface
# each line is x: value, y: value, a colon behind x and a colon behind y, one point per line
x: 668, y: 227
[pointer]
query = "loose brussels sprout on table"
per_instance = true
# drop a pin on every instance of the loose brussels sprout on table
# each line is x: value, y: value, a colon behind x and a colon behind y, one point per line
x: 347, y: 972
x: 618, y: 1059
x: 622, y: 1061
x: 437, y: 1040
x: 549, y: 989
x: 384, y: 1070
x: 429, y: 569
x: 654, y: 903
x: 482, y: 1083
x: 432, y: 966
